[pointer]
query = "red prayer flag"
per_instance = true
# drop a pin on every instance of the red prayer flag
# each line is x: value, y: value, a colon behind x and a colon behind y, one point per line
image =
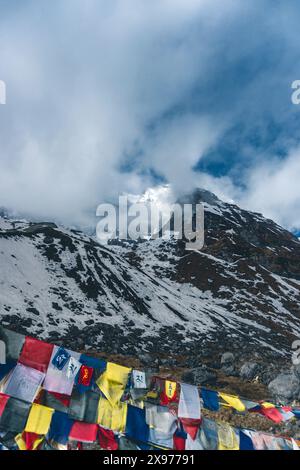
x: 36, y: 354
x: 179, y: 442
x: 287, y: 408
x: 191, y: 426
x: 273, y: 414
x: 84, y: 432
x: 107, y: 439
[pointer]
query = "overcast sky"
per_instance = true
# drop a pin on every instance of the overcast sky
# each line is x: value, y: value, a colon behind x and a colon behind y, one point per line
x: 106, y: 96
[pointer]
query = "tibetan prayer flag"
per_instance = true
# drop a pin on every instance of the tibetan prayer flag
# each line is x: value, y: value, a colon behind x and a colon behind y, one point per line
x: 160, y: 439
x: 24, y: 383
x: 245, y: 442
x: 271, y: 442
x: 209, y: 434
x: 251, y: 405
x: 107, y: 439
x: 112, y: 416
x: 286, y: 414
x: 39, y: 419
x: 60, y: 427
x: 36, y: 354
x: 160, y: 418
x: 169, y: 395
x: 56, y: 379
x: 210, y: 399
x: 233, y: 401
x: 14, y: 416
x: 272, y: 413
x: 84, y: 406
x: 84, y: 432
x: 136, y: 426
x: 189, y: 402
x: 227, y: 437
x: 113, y: 381
x: 257, y: 439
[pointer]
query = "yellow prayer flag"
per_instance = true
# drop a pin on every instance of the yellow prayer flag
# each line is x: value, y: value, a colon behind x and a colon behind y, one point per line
x: 227, y: 438
x: 113, y: 381
x: 39, y: 419
x: 233, y: 401
x: 266, y: 404
x: 112, y: 416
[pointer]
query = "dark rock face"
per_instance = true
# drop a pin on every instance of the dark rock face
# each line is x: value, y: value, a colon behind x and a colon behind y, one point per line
x: 241, y: 293
x: 234, y: 234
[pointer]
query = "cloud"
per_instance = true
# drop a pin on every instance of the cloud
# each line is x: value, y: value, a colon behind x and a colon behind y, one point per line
x: 110, y: 97
x: 84, y: 81
x: 274, y: 188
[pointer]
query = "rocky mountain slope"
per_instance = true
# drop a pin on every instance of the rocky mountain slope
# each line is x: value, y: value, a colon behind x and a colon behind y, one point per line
x: 240, y: 293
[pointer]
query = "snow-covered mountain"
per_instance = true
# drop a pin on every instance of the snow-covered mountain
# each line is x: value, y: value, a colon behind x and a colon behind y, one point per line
x: 241, y: 292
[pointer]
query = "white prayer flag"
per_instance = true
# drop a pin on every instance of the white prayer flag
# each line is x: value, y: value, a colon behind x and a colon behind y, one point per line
x: 24, y: 383
x: 189, y: 402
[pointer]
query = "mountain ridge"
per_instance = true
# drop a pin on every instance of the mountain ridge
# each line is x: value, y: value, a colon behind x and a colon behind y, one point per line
x: 241, y: 292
